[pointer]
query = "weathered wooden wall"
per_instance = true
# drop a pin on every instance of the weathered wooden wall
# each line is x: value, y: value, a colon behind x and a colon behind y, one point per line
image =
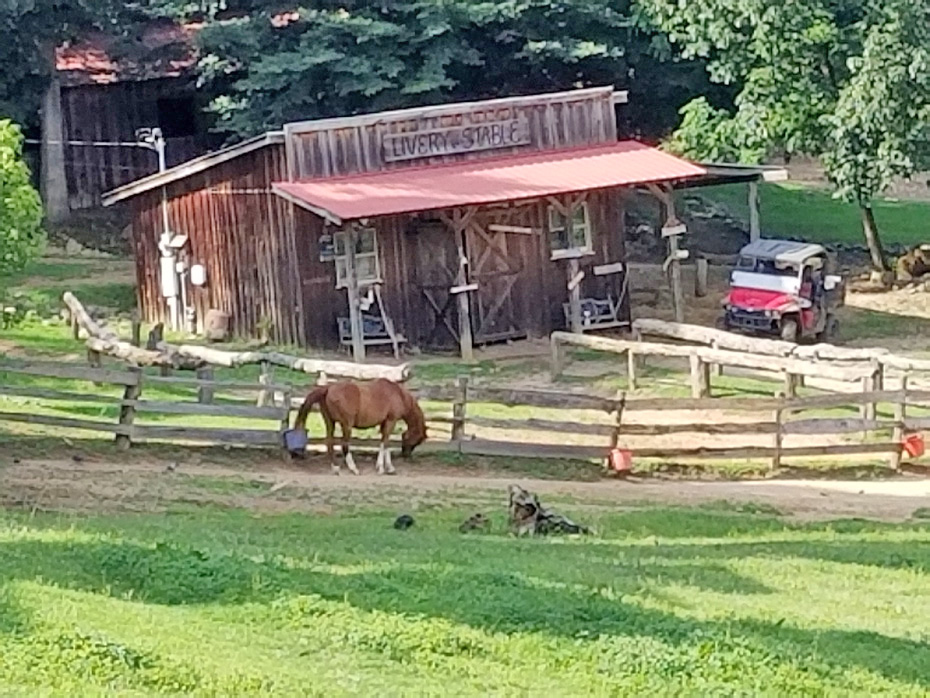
x: 240, y: 232
x: 352, y: 145
x: 112, y: 113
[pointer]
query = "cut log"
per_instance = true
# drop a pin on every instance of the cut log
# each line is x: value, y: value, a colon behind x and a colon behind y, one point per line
x: 344, y: 369
x: 753, y: 361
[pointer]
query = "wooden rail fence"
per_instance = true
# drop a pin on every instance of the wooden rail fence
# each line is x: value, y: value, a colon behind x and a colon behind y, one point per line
x: 600, y: 424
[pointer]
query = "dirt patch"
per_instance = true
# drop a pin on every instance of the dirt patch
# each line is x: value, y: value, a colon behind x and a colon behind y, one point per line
x: 269, y: 487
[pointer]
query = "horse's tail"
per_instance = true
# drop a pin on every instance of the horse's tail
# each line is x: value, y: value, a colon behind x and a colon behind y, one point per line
x: 315, y: 397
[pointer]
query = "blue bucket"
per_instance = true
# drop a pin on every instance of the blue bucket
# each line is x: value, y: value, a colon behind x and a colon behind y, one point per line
x: 295, y: 440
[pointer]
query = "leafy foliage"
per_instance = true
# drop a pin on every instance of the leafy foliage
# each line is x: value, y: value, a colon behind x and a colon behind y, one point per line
x: 21, y: 233
x: 846, y: 80
x: 267, y: 67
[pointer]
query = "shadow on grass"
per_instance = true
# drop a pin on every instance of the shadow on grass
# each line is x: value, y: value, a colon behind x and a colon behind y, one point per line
x: 488, y: 583
x: 860, y: 324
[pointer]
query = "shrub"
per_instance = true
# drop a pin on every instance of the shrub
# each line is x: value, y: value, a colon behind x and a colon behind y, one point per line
x: 21, y: 233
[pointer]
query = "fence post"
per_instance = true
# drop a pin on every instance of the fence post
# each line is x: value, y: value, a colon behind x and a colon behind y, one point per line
x: 865, y: 410
x: 556, y: 358
x: 618, y: 420
x: 700, y: 377
x: 94, y: 361
x: 285, y: 423
x: 205, y: 392
x: 631, y: 369
x: 791, y: 385
x: 874, y: 383
x: 266, y: 378
x: 459, y: 409
x: 900, y: 414
x: 700, y: 277
x: 716, y: 369
x: 136, y: 328
x: 776, y: 458
x: 127, y: 410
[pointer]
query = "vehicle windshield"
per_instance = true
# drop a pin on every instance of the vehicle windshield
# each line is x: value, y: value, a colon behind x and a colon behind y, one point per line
x: 766, y: 266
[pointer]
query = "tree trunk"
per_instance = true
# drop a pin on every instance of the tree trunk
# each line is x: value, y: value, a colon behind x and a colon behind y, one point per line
x: 872, y: 240
x: 54, y: 182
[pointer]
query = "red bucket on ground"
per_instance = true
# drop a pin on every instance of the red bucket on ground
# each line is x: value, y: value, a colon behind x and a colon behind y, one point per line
x: 914, y: 445
x: 621, y: 460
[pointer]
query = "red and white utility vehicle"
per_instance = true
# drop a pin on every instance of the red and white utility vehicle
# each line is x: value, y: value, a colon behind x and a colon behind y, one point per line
x: 786, y: 289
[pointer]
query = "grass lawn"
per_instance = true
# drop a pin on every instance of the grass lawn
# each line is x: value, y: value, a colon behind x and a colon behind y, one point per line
x: 794, y: 210
x: 710, y: 601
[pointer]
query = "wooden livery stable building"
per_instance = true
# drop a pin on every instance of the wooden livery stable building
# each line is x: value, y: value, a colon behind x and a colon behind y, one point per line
x: 441, y: 227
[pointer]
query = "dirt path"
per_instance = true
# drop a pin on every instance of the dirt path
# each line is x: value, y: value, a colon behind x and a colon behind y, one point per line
x: 95, y: 486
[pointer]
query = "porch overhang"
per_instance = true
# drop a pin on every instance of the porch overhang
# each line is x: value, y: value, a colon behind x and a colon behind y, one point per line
x: 489, y: 181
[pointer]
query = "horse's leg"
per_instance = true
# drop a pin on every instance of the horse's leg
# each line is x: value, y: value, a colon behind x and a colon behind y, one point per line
x: 330, y: 446
x: 346, y: 453
x: 384, y: 453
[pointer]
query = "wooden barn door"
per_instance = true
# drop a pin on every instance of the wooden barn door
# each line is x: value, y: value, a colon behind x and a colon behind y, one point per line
x: 437, y: 264
x: 497, y: 253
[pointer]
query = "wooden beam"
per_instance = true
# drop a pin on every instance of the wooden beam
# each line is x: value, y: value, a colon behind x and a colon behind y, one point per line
x: 574, y: 296
x: 355, y: 309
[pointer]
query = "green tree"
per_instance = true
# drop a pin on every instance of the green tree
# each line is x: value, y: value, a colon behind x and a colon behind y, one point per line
x: 845, y: 80
x: 21, y: 234
x: 267, y: 67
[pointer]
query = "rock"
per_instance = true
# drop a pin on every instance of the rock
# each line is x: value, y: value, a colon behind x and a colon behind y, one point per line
x: 403, y: 522
x: 73, y: 248
x: 477, y: 522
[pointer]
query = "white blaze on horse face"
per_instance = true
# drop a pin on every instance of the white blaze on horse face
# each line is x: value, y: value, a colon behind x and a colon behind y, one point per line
x: 350, y: 463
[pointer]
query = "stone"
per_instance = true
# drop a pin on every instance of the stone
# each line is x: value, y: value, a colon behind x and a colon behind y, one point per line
x: 73, y: 248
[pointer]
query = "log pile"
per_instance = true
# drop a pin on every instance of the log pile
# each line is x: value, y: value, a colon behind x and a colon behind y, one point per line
x: 104, y: 341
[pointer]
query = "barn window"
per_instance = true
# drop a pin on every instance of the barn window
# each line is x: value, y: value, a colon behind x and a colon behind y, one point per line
x: 367, y: 261
x: 570, y: 236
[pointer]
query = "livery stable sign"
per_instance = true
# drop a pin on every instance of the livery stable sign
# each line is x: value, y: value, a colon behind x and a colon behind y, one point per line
x: 456, y: 140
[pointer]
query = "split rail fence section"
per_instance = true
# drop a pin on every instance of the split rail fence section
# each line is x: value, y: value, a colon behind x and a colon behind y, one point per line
x: 595, y: 423
x: 131, y: 404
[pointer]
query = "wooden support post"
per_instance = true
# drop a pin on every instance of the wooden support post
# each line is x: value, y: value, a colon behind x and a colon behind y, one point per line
x: 136, y: 339
x: 205, y: 392
x: 755, y: 226
x: 631, y: 370
x: 700, y: 277
x: 459, y: 409
x: 700, y: 377
x: 779, y: 434
x: 574, y: 297
x: 266, y: 397
x: 791, y: 385
x: 618, y: 421
x: 716, y: 369
x: 127, y: 412
x: 285, y: 424
x: 900, y: 414
x: 75, y: 327
x: 874, y: 383
x: 355, y: 310
x: 864, y: 409
x: 556, y: 358
x: 678, y: 304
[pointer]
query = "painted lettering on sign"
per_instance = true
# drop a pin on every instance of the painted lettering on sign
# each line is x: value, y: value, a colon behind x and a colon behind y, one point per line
x: 454, y: 140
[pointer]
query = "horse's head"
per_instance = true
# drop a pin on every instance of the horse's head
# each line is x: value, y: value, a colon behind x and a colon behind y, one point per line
x: 410, y: 440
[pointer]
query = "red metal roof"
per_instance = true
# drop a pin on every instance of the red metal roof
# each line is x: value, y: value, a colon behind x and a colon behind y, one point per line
x: 511, y: 178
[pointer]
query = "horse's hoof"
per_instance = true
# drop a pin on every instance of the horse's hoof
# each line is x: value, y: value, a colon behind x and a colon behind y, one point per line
x: 390, y: 472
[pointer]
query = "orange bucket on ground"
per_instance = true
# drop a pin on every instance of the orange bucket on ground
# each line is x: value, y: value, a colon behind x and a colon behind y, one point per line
x: 914, y: 445
x: 621, y: 460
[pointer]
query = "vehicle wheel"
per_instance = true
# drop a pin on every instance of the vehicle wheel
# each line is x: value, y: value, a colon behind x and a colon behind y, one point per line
x: 830, y: 330
x: 789, y: 330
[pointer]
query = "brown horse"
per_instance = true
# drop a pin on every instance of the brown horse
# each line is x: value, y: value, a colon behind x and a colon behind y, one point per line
x: 362, y: 406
